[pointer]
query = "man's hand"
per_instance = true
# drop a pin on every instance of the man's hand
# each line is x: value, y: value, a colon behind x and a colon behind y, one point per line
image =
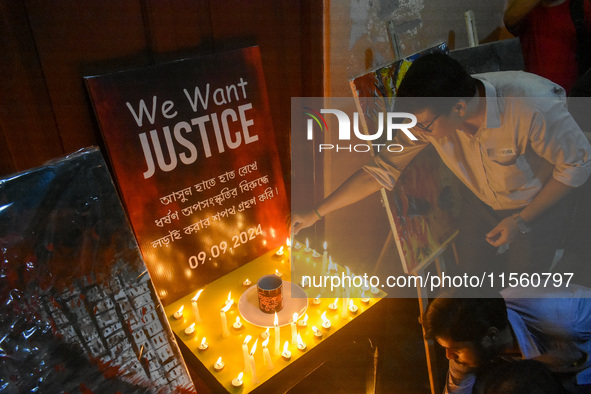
x: 303, y: 220
x: 505, y: 232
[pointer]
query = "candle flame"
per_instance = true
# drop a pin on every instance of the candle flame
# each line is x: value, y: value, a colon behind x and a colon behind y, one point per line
x: 238, y: 319
x: 280, y: 251
x: 324, y: 245
x: 314, y: 329
x: 323, y: 317
x: 363, y: 294
x: 180, y: 309
x: 288, y: 242
x: 192, y: 326
x: 318, y: 296
x: 266, y: 342
x: 295, y: 317
x: 351, y: 303
x: 247, y: 339
x: 240, y: 376
x: 277, y: 272
x: 254, y: 347
x: 267, y: 332
x: 230, y: 297
x: 307, y: 244
x: 203, y: 341
x: 194, y: 299
x: 300, y: 342
x: 227, y: 307
x: 219, y: 360
x: 335, y: 301
x: 348, y: 271
x: 305, y: 318
x: 276, y: 321
x: 285, y: 346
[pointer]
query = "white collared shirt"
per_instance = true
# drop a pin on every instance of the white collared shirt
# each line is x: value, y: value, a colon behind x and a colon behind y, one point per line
x: 528, y: 135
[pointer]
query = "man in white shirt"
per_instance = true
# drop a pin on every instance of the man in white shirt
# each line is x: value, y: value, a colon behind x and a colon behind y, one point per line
x: 508, y: 137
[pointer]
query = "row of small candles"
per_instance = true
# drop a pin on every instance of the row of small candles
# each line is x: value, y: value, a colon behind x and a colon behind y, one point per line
x: 348, y: 306
x: 285, y: 353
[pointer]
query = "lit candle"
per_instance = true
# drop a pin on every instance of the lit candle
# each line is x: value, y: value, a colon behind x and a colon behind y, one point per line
x: 301, y: 344
x: 219, y: 365
x: 190, y: 330
x: 297, y: 245
x: 304, y: 283
x: 352, y: 307
x: 279, y: 274
x: 324, y: 260
x: 279, y: 253
x: 265, y: 334
x: 303, y: 322
x: 365, y: 286
x: 225, y: 331
x: 325, y: 321
x: 253, y: 369
x: 237, y: 382
x: 316, y: 301
x: 307, y: 246
x: 286, y: 353
x: 346, y: 293
x: 277, y: 334
x: 246, y: 283
x: 178, y: 314
x: 196, y: 315
x: 229, y: 301
x: 364, y: 299
x: 332, y: 266
x: 333, y: 307
x: 317, y: 333
x: 203, y: 345
x: 245, y: 353
x: 294, y: 329
x: 237, y: 324
x: 267, y: 355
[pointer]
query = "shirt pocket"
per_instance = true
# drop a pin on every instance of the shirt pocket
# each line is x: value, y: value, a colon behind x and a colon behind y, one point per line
x: 510, y: 174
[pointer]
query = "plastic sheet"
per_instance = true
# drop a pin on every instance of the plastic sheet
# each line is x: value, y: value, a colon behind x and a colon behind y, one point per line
x: 78, y: 311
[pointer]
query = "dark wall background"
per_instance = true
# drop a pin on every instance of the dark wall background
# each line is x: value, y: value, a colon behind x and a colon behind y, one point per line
x: 47, y: 46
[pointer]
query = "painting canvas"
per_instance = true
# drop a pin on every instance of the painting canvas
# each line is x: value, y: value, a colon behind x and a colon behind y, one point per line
x: 78, y: 311
x: 423, y: 206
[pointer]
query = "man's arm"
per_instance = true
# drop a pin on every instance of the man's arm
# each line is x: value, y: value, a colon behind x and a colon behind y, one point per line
x: 358, y: 186
x: 516, y: 11
x: 507, y: 229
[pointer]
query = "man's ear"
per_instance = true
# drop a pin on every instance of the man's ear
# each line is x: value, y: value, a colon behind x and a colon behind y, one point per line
x: 490, y: 337
x: 459, y: 108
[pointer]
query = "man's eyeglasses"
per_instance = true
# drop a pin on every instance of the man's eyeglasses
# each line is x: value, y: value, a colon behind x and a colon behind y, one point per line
x: 426, y: 128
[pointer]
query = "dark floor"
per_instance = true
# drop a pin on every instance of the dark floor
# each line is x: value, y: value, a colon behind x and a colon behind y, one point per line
x: 394, y: 335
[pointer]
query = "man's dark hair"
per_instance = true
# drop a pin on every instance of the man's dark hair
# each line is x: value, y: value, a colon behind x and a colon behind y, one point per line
x: 464, y: 319
x: 433, y: 76
x: 524, y: 376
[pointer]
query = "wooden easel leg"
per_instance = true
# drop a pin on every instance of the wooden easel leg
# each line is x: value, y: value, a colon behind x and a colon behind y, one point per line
x: 432, y: 367
x: 383, y: 252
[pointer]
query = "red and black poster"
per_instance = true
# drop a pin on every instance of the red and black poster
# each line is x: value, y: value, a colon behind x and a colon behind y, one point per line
x: 194, y: 155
